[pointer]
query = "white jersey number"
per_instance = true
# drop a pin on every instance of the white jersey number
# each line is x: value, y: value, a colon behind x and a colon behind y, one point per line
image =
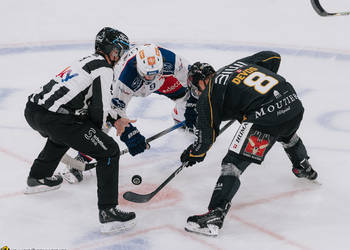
x: 261, y: 82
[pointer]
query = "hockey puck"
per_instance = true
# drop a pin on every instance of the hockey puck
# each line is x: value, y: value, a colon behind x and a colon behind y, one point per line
x: 136, y: 180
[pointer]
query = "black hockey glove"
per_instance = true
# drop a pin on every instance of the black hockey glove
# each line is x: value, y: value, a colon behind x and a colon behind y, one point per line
x: 135, y: 142
x: 186, y: 156
x: 191, y: 113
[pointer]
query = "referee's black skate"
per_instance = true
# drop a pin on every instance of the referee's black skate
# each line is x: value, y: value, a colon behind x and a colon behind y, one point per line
x: 208, y: 223
x: 41, y: 185
x: 304, y: 170
x: 114, y: 220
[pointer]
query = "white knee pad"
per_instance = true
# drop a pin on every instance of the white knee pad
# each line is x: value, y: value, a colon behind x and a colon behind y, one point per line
x: 230, y: 169
x: 292, y: 142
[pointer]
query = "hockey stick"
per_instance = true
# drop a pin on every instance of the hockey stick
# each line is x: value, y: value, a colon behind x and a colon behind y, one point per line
x: 66, y: 159
x: 142, y: 198
x: 160, y: 134
x: 321, y: 11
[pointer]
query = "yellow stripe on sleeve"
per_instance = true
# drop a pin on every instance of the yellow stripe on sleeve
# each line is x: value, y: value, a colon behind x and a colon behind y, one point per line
x: 270, y: 58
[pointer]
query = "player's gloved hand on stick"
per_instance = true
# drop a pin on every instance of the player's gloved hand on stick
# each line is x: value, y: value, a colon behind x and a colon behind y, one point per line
x: 191, y: 113
x: 186, y: 156
x: 135, y: 142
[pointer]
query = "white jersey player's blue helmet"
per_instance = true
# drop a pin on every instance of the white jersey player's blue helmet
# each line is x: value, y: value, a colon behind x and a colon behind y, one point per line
x: 149, y: 62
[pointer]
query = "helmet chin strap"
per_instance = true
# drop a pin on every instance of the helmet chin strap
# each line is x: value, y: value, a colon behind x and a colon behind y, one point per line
x: 107, y: 57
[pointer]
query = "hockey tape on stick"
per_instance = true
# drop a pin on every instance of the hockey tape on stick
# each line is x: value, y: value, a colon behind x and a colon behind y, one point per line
x: 142, y: 198
x: 68, y: 160
x: 321, y: 11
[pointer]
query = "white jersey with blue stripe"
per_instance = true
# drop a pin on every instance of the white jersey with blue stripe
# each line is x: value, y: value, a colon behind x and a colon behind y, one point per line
x: 171, y: 83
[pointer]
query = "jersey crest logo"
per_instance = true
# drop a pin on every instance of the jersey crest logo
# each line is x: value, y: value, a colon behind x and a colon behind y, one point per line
x: 168, y: 68
x: 257, y: 146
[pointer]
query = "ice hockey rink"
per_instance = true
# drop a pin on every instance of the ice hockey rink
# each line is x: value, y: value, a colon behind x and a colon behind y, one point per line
x: 273, y: 210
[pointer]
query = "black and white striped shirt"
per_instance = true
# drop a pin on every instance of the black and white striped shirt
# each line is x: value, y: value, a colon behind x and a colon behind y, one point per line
x: 80, y: 89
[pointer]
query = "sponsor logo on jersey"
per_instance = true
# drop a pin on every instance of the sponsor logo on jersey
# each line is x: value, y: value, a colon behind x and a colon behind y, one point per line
x: 136, y: 84
x: 277, y: 94
x: 66, y: 74
x: 170, y: 85
x: 240, y: 134
x: 240, y: 137
x: 280, y: 107
x: 168, y: 68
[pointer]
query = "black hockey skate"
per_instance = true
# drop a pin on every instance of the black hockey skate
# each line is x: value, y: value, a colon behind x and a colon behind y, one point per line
x: 208, y: 223
x: 41, y: 185
x: 304, y: 170
x: 114, y: 220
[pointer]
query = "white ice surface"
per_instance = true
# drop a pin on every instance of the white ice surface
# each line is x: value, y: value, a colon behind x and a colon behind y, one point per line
x: 272, y: 210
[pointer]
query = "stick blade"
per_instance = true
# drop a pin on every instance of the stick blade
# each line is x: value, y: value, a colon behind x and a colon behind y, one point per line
x: 318, y: 8
x: 137, y: 198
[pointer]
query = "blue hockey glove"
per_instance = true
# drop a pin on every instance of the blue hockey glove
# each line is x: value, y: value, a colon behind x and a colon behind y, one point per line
x: 135, y: 142
x: 186, y: 156
x: 191, y: 113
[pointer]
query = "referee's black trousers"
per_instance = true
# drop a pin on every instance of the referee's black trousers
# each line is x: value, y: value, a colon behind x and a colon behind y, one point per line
x: 69, y: 131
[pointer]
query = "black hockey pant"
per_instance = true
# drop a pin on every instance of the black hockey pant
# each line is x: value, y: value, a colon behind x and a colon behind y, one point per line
x: 68, y: 131
x: 233, y: 164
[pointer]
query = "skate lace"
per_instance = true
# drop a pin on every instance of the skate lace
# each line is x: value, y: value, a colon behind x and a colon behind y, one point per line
x: 80, y: 158
x: 52, y: 178
x: 117, y: 210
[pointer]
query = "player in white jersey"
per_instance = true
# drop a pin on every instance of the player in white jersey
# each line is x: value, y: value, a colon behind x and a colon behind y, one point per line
x: 70, y: 111
x: 148, y: 69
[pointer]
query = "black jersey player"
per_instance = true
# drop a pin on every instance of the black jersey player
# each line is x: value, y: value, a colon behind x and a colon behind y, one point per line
x: 248, y: 90
x: 70, y: 111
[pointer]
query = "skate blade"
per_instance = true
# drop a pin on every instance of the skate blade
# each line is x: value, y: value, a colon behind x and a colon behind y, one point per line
x: 69, y: 177
x: 211, y: 230
x: 316, y: 182
x: 308, y: 181
x: 40, y: 189
x: 117, y: 226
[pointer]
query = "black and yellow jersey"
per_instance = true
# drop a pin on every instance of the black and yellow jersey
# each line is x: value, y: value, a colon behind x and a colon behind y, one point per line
x: 249, y: 90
